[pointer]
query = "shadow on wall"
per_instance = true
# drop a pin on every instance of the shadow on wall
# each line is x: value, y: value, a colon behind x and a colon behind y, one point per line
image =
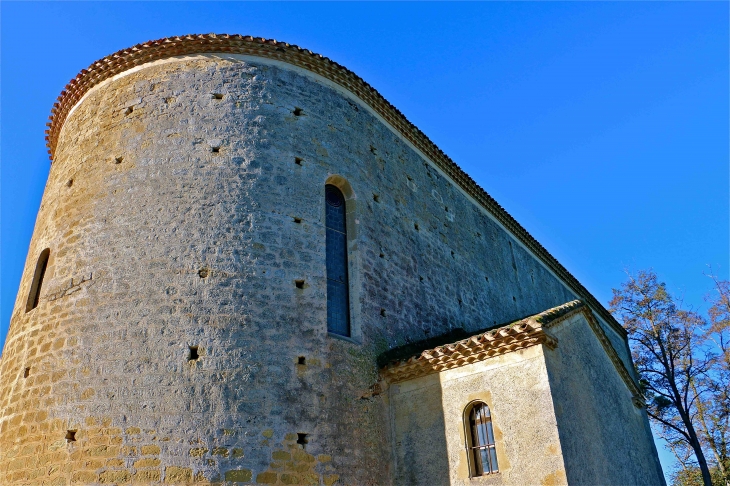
x: 418, y: 432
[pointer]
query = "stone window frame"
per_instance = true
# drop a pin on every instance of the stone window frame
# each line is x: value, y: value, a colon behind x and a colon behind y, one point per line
x: 353, y: 255
x: 468, y: 438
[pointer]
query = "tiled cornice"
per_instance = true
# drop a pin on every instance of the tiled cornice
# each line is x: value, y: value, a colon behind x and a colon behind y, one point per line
x: 521, y: 334
x: 281, y: 51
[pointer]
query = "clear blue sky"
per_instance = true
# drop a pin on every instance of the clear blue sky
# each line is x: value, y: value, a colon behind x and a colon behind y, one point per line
x: 601, y: 127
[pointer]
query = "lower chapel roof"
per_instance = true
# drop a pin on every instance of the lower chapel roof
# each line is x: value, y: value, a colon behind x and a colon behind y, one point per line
x: 169, y: 47
x: 443, y: 353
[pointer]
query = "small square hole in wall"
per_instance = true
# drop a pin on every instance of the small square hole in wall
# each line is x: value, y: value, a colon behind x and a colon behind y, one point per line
x: 382, y: 255
x: 193, y: 353
x: 297, y: 111
x: 70, y: 183
x: 298, y: 160
x: 376, y: 198
x: 70, y: 436
x: 118, y: 160
x: 215, y: 150
x: 26, y: 372
x: 129, y: 110
x: 415, y: 226
x: 301, y: 360
x: 302, y: 438
x: 299, y: 284
x: 298, y: 220
x: 382, y: 312
x: 217, y: 96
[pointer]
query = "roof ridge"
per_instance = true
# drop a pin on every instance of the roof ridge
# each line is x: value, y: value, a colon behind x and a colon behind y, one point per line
x: 167, y: 47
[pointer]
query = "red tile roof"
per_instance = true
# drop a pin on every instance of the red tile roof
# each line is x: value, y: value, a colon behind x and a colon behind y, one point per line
x: 521, y: 334
x: 281, y: 51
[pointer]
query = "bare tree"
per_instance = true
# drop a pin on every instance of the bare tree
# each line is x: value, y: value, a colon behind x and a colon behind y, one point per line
x: 714, y: 407
x: 668, y: 356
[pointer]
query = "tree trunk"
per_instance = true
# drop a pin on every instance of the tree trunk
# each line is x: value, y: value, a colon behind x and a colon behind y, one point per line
x: 695, y: 443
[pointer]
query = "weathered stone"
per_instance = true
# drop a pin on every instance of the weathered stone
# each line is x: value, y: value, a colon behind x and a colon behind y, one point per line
x: 239, y: 475
x: 187, y: 275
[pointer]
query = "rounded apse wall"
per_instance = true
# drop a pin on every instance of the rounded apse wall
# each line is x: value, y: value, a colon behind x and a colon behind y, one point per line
x: 180, y: 331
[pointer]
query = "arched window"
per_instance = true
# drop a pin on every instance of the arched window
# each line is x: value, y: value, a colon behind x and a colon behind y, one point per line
x: 35, y: 286
x: 338, y: 295
x: 482, y: 452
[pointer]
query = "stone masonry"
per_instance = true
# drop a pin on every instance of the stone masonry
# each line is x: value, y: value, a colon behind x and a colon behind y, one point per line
x: 180, y: 335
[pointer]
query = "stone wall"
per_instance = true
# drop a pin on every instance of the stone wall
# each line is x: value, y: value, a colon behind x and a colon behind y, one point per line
x: 429, y: 433
x: 605, y: 438
x: 191, y: 192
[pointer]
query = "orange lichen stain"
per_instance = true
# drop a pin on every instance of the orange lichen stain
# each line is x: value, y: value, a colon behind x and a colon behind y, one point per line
x: 555, y: 479
x: 150, y: 450
x: 178, y: 475
x: 292, y: 464
x: 330, y: 479
x: 239, y: 475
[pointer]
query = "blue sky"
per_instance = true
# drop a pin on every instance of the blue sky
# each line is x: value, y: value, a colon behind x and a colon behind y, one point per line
x: 601, y: 127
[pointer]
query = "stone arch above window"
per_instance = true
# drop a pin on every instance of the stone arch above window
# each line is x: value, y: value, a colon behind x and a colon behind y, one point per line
x: 35, y: 287
x: 481, y: 446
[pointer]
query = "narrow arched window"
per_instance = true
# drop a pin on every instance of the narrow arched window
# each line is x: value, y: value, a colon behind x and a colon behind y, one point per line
x: 35, y: 286
x: 338, y: 295
x: 482, y: 451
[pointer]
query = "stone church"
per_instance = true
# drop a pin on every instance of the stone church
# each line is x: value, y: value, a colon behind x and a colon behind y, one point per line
x: 249, y: 268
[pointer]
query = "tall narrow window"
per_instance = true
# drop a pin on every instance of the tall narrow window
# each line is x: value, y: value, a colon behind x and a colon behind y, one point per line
x: 482, y: 453
x: 338, y: 298
x: 35, y: 286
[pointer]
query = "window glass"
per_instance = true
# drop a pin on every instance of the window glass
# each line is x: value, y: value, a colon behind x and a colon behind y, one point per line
x: 338, y: 298
x: 483, y: 451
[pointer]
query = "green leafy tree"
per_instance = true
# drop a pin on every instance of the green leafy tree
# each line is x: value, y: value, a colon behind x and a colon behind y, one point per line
x: 667, y: 350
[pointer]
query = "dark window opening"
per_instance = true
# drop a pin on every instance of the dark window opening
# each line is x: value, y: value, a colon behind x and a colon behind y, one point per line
x: 118, y: 160
x: 70, y: 436
x: 298, y: 160
x: 302, y: 438
x: 298, y: 220
x: 35, y: 286
x: 129, y: 110
x: 297, y: 111
x: 217, y: 96
x: 299, y: 284
x: 482, y: 453
x: 26, y: 373
x: 70, y: 183
x: 338, y: 294
x: 216, y: 149
x: 193, y: 353
x: 302, y: 360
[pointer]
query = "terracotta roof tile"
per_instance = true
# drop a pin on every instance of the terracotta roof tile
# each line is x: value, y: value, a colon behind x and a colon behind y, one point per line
x: 517, y: 335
